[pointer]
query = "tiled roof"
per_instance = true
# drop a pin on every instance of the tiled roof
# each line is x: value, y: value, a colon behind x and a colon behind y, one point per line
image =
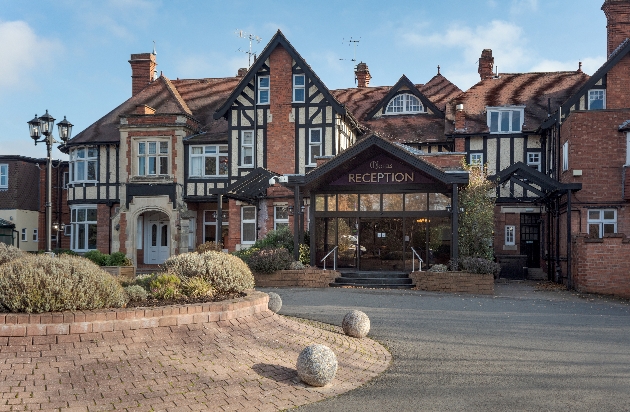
x: 198, y: 98
x: 402, y: 128
x: 528, y: 89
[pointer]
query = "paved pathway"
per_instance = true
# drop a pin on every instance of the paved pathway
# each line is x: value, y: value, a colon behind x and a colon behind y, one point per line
x: 521, y: 350
x: 246, y: 366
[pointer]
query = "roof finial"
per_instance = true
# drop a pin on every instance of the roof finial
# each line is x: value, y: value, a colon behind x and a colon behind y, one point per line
x: 580, y: 68
x: 438, y: 69
x: 154, y: 52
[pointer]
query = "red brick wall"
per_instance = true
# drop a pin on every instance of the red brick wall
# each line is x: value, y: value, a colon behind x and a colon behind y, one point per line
x: 618, y: 15
x: 618, y: 84
x: 500, y: 221
x: 602, y: 265
x: 234, y: 236
x: 280, y: 132
x: 103, y: 228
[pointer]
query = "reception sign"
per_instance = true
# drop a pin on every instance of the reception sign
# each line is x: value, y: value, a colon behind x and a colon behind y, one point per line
x: 382, y: 170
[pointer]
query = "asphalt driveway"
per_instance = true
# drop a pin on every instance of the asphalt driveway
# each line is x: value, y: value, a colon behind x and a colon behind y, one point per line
x: 519, y: 350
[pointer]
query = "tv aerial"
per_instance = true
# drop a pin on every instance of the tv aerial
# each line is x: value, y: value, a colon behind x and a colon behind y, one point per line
x: 251, y: 37
x: 354, y: 44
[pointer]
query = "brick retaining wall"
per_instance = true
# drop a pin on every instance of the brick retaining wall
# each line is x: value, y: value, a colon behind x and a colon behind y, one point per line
x: 454, y: 282
x: 25, y: 328
x: 306, y: 278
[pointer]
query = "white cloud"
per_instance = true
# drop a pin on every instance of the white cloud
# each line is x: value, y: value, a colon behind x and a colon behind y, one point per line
x: 22, y: 52
x: 589, y: 65
x: 523, y: 6
x: 506, y: 40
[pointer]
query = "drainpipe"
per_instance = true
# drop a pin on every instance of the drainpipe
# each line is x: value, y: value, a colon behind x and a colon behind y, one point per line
x: 569, y: 280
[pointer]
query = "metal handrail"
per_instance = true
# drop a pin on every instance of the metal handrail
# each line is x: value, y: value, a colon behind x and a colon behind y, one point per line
x: 413, y: 261
x: 334, y: 251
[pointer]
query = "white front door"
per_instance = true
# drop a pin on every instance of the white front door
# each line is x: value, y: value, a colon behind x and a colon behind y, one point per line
x: 156, y: 237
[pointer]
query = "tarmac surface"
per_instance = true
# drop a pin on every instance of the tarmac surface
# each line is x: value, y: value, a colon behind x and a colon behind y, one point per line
x: 520, y: 350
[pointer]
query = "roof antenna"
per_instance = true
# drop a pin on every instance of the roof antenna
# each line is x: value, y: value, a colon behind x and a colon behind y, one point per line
x: 249, y: 53
x: 353, y: 43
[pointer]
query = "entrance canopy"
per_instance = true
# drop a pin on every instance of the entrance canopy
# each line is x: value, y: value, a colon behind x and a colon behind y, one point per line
x: 534, y: 181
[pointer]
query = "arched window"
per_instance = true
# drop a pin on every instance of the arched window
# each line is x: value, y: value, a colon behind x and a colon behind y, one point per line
x: 404, y: 103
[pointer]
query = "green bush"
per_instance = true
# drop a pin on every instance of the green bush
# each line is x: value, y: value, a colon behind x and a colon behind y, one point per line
x: 276, y: 239
x: 144, y: 280
x: 103, y: 259
x: 40, y: 283
x: 270, y: 260
x: 479, y: 266
x: 226, y: 273
x: 305, y: 254
x: 97, y: 257
x: 9, y: 253
x: 165, y: 286
x: 196, y: 287
x: 297, y: 265
x: 245, y: 254
x: 136, y: 293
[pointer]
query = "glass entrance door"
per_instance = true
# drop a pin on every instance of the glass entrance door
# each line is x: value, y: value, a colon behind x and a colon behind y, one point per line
x: 381, y: 244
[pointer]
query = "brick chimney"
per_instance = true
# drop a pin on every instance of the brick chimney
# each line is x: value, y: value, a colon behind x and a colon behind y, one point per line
x: 486, y: 64
x: 460, y: 117
x: 142, y: 69
x: 362, y: 74
x: 618, y: 15
x: 242, y: 72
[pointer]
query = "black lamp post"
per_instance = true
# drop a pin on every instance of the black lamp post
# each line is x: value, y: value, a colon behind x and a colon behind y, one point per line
x: 41, y: 127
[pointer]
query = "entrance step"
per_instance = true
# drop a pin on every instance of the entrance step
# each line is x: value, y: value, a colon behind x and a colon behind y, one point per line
x: 536, y: 274
x: 379, y: 280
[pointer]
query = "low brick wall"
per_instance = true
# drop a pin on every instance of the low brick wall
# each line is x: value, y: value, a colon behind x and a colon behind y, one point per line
x: 38, y: 328
x: 306, y: 278
x: 602, y: 265
x: 454, y: 282
x: 121, y: 272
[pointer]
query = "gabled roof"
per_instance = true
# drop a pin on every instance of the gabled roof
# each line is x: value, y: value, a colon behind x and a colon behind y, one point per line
x: 523, y: 175
x: 619, y: 53
x: 531, y: 90
x: 403, y: 128
x: 278, y: 40
x: 411, y: 88
x: 366, y: 149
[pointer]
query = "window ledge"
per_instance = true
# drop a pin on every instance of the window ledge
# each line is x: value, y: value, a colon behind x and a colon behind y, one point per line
x: 149, y: 179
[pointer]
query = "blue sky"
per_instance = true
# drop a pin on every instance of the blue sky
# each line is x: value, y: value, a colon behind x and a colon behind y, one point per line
x: 71, y: 56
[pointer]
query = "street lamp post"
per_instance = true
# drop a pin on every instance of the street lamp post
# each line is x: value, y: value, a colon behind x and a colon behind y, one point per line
x: 43, y: 126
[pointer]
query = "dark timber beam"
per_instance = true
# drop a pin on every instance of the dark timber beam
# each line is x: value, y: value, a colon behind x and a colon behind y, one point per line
x: 455, y: 224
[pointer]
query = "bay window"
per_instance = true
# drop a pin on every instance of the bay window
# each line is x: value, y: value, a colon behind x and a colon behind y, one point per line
x: 83, y: 162
x: 83, y: 233
x: 209, y: 161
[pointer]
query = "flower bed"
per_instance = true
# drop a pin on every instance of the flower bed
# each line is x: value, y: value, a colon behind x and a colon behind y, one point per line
x: 306, y: 278
x: 454, y: 282
x: 25, y: 328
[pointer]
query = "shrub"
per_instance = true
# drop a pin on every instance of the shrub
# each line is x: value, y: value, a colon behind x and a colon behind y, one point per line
x: 297, y: 265
x: 477, y: 265
x: 144, y: 280
x: 136, y: 293
x: 9, y: 253
x: 438, y: 268
x: 65, y: 252
x: 275, y: 239
x: 210, y: 246
x: 40, y: 283
x: 165, y: 286
x: 245, y: 254
x: 196, y: 287
x: 97, y: 257
x: 270, y: 260
x: 118, y: 259
x: 226, y: 273
x: 305, y: 254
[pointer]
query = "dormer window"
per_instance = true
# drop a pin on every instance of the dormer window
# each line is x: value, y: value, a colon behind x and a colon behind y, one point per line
x: 404, y: 104
x: 597, y: 99
x: 505, y: 119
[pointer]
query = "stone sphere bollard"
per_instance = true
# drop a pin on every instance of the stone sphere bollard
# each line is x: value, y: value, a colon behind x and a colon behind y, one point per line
x: 317, y: 365
x: 275, y: 302
x: 356, y: 324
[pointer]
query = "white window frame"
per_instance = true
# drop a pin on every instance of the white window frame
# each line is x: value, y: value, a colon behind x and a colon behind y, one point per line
x: 24, y: 235
x: 404, y: 104
x: 217, y: 151
x: 601, y: 220
x: 66, y: 179
x: 35, y: 237
x: 77, y: 222
x: 510, y: 235
x: 597, y: 92
x: 248, y: 222
x: 534, y: 160
x: 312, y: 144
x: 565, y: 156
x: 476, y: 159
x: 282, y: 221
x: 501, y: 112
x: 67, y: 230
x: 297, y: 87
x: 4, y: 176
x: 247, y: 146
x: 261, y: 89
x: 82, y: 160
x: 161, y: 154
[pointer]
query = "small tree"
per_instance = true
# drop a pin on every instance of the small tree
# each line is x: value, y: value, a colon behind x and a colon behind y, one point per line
x: 476, y: 223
